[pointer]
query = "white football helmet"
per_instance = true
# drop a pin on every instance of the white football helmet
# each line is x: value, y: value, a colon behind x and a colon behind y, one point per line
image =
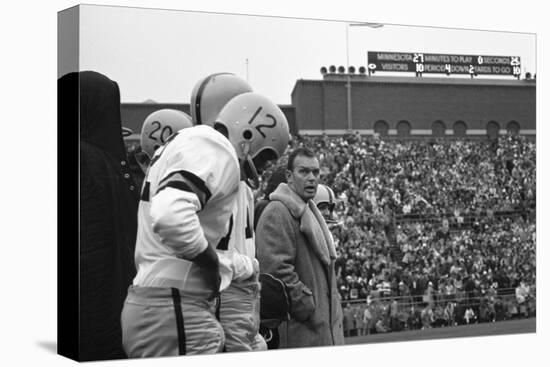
x: 257, y: 129
x: 156, y: 128
x: 324, y: 198
x: 324, y: 194
x: 211, y: 93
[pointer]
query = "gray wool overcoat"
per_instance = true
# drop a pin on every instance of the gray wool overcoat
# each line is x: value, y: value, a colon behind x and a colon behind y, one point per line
x: 287, y: 249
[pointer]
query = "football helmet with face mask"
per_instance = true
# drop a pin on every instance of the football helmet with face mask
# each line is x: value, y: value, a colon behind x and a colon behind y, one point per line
x: 325, y: 200
x: 257, y: 129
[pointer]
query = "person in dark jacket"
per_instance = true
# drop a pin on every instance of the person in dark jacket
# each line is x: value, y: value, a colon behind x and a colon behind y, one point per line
x: 348, y: 321
x: 108, y: 215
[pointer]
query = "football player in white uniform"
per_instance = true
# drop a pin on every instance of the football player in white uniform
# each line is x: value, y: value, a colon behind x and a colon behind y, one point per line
x: 186, y: 203
x: 325, y: 201
x: 264, y: 134
x: 156, y: 129
x: 262, y: 131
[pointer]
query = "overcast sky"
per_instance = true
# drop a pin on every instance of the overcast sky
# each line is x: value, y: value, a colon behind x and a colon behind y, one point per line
x: 160, y: 54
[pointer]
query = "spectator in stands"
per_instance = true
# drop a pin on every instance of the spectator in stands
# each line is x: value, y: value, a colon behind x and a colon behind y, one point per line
x: 522, y: 295
x: 439, y: 316
x: 469, y: 315
x: 450, y: 314
x: 358, y: 317
x: 348, y: 320
x: 427, y: 316
x: 381, y: 326
x: 394, y: 316
x: 429, y: 295
x: 367, y: 318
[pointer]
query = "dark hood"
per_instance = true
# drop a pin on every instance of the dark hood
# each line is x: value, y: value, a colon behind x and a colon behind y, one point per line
x: 100, y: 121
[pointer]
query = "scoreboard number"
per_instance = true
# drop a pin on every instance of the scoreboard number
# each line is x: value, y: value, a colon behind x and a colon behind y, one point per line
x: 480, y: 60
x: 419, y: 68
x: 418, y: 58
x: 471, y: 70
x: 514, y: 61
x: 517, y: 70
x: 448, y: 68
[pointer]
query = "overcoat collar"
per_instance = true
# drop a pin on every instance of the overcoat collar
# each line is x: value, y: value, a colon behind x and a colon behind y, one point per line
x: 312, y: 224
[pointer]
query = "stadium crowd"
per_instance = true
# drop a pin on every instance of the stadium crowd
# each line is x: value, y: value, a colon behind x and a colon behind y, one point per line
x: 432, y: 232
x: 428, y: 177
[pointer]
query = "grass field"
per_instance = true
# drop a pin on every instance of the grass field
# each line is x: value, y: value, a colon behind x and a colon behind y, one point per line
x: 521, y: 326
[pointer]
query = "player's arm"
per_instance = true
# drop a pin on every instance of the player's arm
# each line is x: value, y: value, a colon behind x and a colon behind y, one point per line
x: 174, y: 210
x: 276, y: 251
x: 236, y: 265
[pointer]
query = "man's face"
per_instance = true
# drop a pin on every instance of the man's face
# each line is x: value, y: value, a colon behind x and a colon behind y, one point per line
x: 304, y: 178
x: 326, y: 210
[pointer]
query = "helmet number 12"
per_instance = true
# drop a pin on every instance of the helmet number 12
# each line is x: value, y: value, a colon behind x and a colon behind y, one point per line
x: 264, y: 126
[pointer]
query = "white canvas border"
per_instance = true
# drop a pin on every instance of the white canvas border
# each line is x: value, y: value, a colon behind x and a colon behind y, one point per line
x: 29, y: 174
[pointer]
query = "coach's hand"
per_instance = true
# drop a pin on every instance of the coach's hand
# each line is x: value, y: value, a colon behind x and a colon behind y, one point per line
x: 210, y: 268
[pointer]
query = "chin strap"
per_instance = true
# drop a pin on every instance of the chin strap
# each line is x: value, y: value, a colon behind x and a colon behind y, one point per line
x: 254, y: 181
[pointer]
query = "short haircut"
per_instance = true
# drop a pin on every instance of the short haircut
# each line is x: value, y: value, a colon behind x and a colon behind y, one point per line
x: 305, y: 152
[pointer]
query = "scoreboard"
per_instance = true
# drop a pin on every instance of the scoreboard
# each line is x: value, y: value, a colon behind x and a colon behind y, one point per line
x: 420, y: 63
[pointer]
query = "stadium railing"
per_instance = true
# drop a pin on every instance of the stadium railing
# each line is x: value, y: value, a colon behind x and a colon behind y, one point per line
x: 440, y: 298
x: 468, y: 219
x: 409, y: 310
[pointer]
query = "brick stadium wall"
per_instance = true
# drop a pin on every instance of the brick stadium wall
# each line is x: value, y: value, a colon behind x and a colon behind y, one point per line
x: 322, y: 104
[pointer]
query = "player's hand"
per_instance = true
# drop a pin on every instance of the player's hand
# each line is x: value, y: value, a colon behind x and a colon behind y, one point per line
x: 210, y: 269
x: 214, y: 280
x: 255, y: 267
x: 255, y: 270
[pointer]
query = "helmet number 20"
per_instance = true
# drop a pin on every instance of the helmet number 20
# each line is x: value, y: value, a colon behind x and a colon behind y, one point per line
x: 164, y: 132
x: 263, y: 126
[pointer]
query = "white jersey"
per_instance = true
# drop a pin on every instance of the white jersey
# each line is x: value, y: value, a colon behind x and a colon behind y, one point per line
x: 186, y: 203
x: 237, y: 254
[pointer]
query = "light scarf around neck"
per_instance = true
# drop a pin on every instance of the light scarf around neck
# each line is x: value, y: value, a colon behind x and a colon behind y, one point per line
x: 312, y: 223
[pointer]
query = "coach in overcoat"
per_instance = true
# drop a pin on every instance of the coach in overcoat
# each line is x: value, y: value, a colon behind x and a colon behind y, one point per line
x: 295, y: 245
